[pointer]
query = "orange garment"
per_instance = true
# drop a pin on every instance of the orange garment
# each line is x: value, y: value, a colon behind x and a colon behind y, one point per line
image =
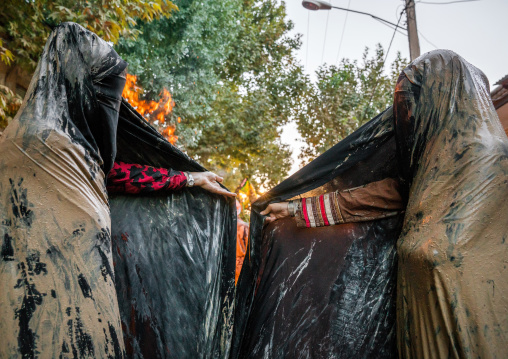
x: 242, y: 239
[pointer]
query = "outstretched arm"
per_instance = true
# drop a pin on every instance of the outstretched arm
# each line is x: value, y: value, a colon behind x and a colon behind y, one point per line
x: 372, y: 201
x: 136, y: 178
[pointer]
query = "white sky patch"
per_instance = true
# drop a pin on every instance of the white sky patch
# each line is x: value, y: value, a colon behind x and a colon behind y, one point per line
x: 291, y: 137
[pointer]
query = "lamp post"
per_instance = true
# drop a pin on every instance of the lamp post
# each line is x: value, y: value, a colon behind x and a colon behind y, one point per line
x: 414, y: 44
x: 412, y: 32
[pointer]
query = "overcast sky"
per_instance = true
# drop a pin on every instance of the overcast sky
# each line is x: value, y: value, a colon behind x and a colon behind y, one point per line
x: 476, y: 30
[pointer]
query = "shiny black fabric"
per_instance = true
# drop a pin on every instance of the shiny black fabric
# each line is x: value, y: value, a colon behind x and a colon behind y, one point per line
x: 172, y: 275
x: 86, y: 77
x: 316, y: 294
x: 174, y: 256
x: 103, y: 126
x: 324, y: 292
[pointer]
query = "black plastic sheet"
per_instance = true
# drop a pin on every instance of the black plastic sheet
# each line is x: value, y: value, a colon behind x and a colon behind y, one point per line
x: 174, y: 256
x: 324, y: 292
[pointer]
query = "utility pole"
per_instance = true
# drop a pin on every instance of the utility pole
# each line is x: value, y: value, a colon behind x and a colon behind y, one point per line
x: 412, y: 32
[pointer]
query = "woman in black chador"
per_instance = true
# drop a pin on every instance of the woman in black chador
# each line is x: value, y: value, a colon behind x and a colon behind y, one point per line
x: 58, y: 296
x: 428, y: 178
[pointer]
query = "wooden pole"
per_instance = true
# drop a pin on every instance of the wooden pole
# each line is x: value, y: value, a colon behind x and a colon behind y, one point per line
x: 414, y: 42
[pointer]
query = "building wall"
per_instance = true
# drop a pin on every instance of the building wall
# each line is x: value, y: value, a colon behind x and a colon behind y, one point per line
x: 14, y: 78
x: 503, y: 116
x: 500, y: 100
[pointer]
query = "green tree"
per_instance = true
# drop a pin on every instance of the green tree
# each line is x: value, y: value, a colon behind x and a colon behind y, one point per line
x: 183, y: 52
x: 230, y: 67
x: 344, y: 98
x: 25, y: 25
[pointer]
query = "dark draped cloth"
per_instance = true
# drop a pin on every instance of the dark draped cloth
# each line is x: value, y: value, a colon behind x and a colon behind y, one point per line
x: 174, y: 255
x: 452, y: 282
x: 325, y: 292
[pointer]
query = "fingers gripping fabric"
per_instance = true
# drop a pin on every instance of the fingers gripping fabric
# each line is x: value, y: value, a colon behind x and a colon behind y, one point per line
x: 59, y: 297
x: 451, y: 159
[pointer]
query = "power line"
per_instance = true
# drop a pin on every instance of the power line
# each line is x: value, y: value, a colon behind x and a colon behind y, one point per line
x: 393, y: 36
x: 384, y: 61
x: 443, y: 3
x: 324, y: 40
x: 398, y: 7
x: 366, y: 13
x: 343, y: 30
x: 391, y: 27
x: 427, y: 40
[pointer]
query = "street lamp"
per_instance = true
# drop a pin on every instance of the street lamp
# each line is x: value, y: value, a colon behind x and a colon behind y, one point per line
x: 412, y: 32
x: 315, y: 5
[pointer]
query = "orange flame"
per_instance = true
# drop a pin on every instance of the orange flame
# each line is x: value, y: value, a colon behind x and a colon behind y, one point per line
x: 169, y: 133
x: 152, y: 111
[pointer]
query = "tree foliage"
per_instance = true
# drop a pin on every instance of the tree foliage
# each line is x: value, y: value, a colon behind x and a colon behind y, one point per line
x: 344, y: 98
x: 230, y: 68
x: 9, y: 105
x: 26, y: 24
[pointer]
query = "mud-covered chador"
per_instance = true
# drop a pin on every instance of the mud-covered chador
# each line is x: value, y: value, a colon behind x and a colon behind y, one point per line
x: 58, y: 294
x: 452, y: 283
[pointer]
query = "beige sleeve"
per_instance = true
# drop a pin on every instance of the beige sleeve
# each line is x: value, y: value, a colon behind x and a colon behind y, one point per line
x: 372, y: 201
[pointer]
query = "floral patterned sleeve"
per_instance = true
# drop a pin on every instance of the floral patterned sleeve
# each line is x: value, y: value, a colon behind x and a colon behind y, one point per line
x: 135, y: 178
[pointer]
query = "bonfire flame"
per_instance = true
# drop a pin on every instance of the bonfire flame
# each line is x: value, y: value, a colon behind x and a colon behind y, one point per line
x: 152, y: 111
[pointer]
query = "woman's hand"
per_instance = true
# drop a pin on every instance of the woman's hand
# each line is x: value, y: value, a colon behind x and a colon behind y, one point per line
x: 275, y: 211
x: 210, y: 181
